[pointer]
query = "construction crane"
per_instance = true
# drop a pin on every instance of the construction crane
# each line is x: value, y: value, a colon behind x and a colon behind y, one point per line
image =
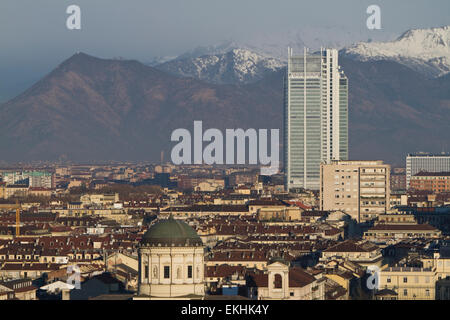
x: 16, y: 206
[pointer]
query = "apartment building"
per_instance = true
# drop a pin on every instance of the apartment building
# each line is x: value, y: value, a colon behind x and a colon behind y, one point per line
x: 358, y: 188
x: 436, y: 182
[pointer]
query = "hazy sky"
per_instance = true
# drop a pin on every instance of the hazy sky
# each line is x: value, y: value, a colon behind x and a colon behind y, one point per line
x: 34, y: 37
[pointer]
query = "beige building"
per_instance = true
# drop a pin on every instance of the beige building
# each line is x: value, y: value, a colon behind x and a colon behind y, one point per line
x: 396, y: 231
x: 409, y: 283
x: 171, y: 262
x: 365, y: 253
x: 281, y: 282
x: 359, y: 188
x: 280, y: 214
x: 396, y: 218
x: 15, y: 190
x: 441, y: 264
x: 99, y: 199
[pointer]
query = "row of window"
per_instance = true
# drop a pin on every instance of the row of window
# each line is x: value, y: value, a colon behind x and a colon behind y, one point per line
x: 166, y: 270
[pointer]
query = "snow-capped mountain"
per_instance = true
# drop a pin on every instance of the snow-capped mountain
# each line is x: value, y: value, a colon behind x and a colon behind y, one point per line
x: 275, y: 44
x: 234, y: 66
x: 424, y: 50
x: 159, y: 60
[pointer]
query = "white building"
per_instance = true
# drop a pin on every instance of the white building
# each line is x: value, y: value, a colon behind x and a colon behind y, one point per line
x: 171, y: 262
x: 426, y: 162
x: 315, y: 116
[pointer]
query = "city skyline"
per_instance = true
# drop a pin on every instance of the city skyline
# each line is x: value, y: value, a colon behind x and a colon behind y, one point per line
x: 136, y: 163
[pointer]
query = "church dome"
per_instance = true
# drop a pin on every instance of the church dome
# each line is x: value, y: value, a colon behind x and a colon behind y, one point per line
x: 171, y: 233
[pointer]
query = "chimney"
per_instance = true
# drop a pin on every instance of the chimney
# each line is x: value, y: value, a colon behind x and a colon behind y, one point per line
x: 65, y: 294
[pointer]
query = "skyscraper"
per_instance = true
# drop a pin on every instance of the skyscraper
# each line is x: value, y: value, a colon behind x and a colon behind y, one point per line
x: 315, y: 116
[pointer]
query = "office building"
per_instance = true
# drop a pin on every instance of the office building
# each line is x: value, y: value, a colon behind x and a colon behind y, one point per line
x: 315, y: 116
x: 428, y: 162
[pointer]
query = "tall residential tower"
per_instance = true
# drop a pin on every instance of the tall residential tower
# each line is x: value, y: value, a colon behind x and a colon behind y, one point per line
x: 315, y: 116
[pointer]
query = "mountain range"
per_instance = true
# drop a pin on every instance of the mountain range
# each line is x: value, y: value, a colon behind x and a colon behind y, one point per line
x: 89, y: 108
x: 232, y: 67
x: 424, y: 50
x: 98, y: 109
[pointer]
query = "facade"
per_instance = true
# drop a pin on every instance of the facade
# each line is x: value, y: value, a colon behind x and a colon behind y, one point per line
x: 440, y: 263
x: 315, y: 116
x: 426, y: 162
x: 364, y: 254
x: 171, y: 262
x: 392, y: 232
x: 21, y: 289
x: 358, y: 188
x: 436, y: 182
x: 99, y: 199
x: 18, y: 190
x: 398, y: 179
x: 281, y: 282
x: 39, y: 179
x: 409, y: 283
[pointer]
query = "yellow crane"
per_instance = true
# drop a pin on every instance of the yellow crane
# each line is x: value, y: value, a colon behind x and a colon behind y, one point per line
x: 16, y: 206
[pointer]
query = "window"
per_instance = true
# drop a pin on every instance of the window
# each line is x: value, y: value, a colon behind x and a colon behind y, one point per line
x: 166, y: 272
x: 405, y: 292
x: 405, y: 279
x: 291, y: 293
x: 146, y: 272
x: 278, y: 282
x: 388, y: 280
x: 427, y: 292
x: 189, y: 272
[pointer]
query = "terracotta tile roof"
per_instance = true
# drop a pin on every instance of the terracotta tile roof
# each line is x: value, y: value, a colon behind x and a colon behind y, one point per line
x: 351, y: 246
x: 406, y: 227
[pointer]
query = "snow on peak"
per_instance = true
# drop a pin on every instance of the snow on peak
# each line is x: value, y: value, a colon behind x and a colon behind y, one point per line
x: 235, y: 66
x: 424, y: 50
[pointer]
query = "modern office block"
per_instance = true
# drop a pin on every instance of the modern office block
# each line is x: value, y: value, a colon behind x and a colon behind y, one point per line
x: 315, y: 116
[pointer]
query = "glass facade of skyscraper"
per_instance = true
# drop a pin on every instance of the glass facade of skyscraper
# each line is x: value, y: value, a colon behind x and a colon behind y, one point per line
x: 315, y: 116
